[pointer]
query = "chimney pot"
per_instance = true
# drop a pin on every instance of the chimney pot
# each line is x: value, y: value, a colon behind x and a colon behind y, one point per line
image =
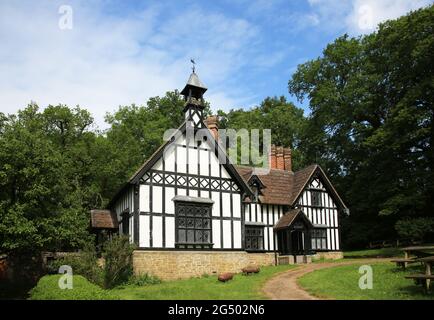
x: 212, y: 124
x: 273, y: 160
x: 279, y: 156
x: 287, y: 157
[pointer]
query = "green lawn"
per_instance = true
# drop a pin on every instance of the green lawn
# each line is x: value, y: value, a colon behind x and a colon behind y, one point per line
x: 48, y: 289
x: 342, y: 282
x: 206, y: 288
x: 374, y: 253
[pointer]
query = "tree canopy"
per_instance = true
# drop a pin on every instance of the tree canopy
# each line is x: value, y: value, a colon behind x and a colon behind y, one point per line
x: 371, y: 121
x: 370, y: 127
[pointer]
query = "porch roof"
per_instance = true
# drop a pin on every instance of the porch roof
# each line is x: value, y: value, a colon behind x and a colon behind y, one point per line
x: 103, y: 219
x: 288, y: 218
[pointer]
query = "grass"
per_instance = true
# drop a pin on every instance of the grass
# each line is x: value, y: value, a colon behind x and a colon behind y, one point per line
x: 204, y: 288
x: 342, y: 282
x: 374, y: 253
x: 48, y: 289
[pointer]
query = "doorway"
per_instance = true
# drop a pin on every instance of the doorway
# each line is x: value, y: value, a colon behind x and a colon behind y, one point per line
x: 297, y: 242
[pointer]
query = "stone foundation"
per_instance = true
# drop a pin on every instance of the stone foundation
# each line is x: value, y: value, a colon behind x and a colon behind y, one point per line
x: 171, y: 265
x: 330, y: 255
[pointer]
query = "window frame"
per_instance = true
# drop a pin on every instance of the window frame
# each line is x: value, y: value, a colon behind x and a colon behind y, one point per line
x: 256, y: 237
x: 319, y: 236
x: 316, y: 194
x: 125, y: 223
x: 193, y: 245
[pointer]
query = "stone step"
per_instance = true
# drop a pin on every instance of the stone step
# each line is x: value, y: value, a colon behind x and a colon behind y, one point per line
x: 291, y: 259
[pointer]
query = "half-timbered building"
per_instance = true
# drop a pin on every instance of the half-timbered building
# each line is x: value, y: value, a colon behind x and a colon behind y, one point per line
x: 191, y: 211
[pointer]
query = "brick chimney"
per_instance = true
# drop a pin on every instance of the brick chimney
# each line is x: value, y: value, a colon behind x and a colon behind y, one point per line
x: 287, y: 159
x: 272, y: 157
x: 212, y: 124
x: 280, y: 164
x: 280, y: 158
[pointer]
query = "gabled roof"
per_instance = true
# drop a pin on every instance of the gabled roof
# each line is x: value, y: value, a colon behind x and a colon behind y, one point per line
x: 285, y: 187
x: 103, y: 219
x: 289, y: 217
x: 149, y: 163
x: 277, y: 185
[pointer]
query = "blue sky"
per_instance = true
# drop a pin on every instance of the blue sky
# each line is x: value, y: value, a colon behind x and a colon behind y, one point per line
x: 123, y: 52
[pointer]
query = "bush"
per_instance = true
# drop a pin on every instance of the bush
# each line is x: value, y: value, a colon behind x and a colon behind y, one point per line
x: 48, y: 289
x: 117, y: 267
x: 415, y: 228
x: 118, y: 261
x: 143, y: 280
x: 85, y: 263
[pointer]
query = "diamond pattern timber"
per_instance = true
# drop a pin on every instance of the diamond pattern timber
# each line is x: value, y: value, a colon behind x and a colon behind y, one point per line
x: 189, y: 181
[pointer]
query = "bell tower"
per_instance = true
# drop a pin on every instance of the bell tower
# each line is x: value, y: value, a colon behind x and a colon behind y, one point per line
x: 194, y: 103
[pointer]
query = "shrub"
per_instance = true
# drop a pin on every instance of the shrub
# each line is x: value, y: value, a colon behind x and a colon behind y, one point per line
x: 85, y: 263
x: 118, y: 261
x: 48, y: 289
x: 143, y: 280
x: 415, y: 228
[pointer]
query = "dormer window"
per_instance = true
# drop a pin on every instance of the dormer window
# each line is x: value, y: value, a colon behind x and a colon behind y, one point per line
x: 255, y: 190
x: 256, y: 186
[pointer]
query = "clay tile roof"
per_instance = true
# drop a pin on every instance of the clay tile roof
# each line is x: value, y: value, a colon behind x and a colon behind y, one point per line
x: 301, y: 177
x: 287, y: 219
x: 281, y: 186
x: 103, y: 219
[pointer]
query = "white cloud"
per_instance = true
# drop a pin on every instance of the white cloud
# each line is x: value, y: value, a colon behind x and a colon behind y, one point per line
x: 360, y: 16
x: 367, y: 14
x: 108, y: 60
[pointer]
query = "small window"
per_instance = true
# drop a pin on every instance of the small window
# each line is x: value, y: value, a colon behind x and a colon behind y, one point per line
x: 125, y: 223
x: 254, y: 237
x: 319, y: 239
x: 316, y: 198
x: 193, y: 225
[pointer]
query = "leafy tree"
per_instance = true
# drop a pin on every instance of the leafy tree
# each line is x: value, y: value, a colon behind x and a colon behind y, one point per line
x: 42, y: 202
x: 371, y: 123
x: 285, y: 120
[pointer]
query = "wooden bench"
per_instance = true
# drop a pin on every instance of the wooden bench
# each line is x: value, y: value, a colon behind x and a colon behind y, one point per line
x: 403, y: 262
x: 422, y: 278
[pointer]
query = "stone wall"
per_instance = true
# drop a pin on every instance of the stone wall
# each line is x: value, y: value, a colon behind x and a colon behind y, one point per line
x: 171, y: 265
x: 330, y: 255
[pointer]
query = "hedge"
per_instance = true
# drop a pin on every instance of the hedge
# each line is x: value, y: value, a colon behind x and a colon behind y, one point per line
x: 48, y: 289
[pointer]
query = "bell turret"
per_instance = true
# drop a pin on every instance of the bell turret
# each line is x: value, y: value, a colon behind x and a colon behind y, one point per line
x: 194, y: 103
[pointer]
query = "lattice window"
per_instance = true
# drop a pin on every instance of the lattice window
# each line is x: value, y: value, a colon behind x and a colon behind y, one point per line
x: 193, y: 225
x: 319, y: 239
x: 316, y: 198
x: 254, y: 237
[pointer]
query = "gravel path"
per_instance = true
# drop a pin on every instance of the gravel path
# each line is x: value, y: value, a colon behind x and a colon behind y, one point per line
x: 284, y: 285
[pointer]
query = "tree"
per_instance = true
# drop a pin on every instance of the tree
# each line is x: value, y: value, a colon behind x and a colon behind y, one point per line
x: 285, y: 120
x: 42, y: 202
x: 371, y: 123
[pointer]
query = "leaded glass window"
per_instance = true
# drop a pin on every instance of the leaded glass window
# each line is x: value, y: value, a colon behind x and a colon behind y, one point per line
x: 254, y: 236
x: 193, y: 225
x: 316, y: 198
x: 319, y: 239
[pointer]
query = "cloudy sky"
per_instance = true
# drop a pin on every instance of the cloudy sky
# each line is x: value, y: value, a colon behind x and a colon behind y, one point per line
x: 102, y: 54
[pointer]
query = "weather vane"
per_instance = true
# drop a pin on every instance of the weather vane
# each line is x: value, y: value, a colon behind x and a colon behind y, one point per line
x: 194, y: 64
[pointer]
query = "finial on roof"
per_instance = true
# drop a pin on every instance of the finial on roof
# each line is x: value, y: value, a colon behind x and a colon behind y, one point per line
x: 194, y: 64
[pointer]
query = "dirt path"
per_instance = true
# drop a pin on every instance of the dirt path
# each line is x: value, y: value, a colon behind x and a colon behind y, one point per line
x: 284, y: 285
